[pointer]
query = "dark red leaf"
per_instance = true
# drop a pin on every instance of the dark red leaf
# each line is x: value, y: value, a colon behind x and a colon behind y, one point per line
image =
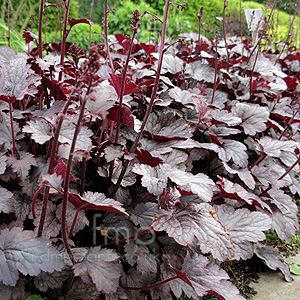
x: 96, y: 201
x: 116, y: 82
x: 60, y: 169
x: 29, y: 36
x: 146, y: 158
x: 8, y: 99
x: 148, y: 48
x: 292, y: 82
x: 123, y: 41
x: 126, y: 118
x: 55, y: 90
x: 73, y: 22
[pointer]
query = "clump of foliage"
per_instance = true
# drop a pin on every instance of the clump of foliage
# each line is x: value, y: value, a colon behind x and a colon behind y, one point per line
x: 134, y: 170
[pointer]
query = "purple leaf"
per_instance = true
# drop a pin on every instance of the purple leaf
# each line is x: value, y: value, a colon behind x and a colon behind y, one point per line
x: 237, y: 192
x: 244, y: 174
x: 16, y: 79
x: 82, y: 291
x: 274, y: 147
x: 200, y: 71
x: 167, y: 127
x: 22, y: 165
x: 6, y: 201
x: 188, y: 223
x: 139, y: 254
x: 244, y: 227
x: 99, y: 266
x: 40, y: 130
x: 45, y: 280
x: 21, y: 251
x: 145, y: 213
x: 253, y: 117
x: 204, y: 277
x: 230, y: 149
x: 156, y: 179
x: 272, y: 258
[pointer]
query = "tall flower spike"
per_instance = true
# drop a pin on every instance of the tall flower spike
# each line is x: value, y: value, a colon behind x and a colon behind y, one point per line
x: 135, y: 20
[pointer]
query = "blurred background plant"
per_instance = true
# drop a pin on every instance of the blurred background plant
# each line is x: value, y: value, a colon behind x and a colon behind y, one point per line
x: 24, y: 14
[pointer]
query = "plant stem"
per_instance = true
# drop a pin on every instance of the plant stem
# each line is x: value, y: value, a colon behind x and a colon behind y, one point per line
x: 41, y: 29
x: 153, y: 95
x: 68, y: 173
x: 149, y: 286
x: 105, y: 27
x: 289, y: 32
x: 64, y: 37
x: 124, y: 74
x: 8, y: 21
x: 141, y: 200
x: 224, y: 27
x: 282, y: 176
x: 91, y: 15
x: 12, y: 129
x: 51, y: 165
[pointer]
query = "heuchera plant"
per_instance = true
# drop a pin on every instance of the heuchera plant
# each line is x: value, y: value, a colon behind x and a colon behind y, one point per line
x: 134, y: 170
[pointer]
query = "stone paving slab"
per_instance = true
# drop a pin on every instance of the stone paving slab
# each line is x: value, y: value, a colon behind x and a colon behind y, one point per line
x: 272, y: 286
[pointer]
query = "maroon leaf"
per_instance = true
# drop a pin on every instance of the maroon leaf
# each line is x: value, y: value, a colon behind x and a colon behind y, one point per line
x: 292, y: 82
x: 8, y: 99
x: 148, y: 48
x: 60, y: 169
x: 146, y: 158
x: 123, y: 41
x: 116, y: 82
x: 73, y: 22
x: 96, y: 201
x: 29, y: 36
x: 237, y: 192
x: 126, y: 117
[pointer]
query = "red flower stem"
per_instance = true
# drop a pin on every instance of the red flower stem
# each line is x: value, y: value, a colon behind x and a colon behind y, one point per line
x: 91, y: 15
x: 68, y: 173
x: 153, y: 95
x: 41, y: 29
x: 133, y: 288
x: 12, y: 129
x: 141, y: 200
x: 289, y: 32
x: 83, y: 172
x: 282, y: 176
x: 224, y: 27
x: 75, y: 219
x: 133, y: 237
x: 215, y: 76
x: 64, y: 37
x: 263, y: 156
x: 105, y: 27
x: 51, y: 165
x: 124, y: 72
x: 34, y: 199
